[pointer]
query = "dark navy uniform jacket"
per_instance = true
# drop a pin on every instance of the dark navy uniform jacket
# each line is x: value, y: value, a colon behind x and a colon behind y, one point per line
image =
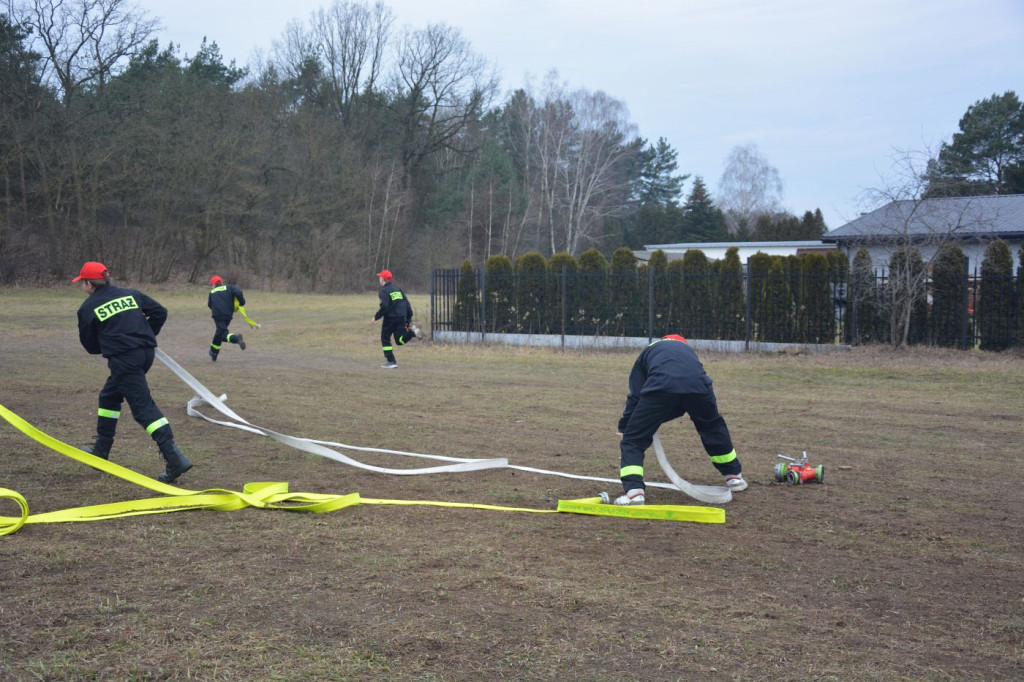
x: 114, y: 320
x: 393, y: 304
x: 222, y: 300
x: 665, y: 366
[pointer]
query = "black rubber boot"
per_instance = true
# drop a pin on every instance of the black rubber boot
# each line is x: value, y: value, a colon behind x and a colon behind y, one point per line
x: 100, y: 448
x: 213, y: 355
x: 177, y: 462
x: 237, y: 338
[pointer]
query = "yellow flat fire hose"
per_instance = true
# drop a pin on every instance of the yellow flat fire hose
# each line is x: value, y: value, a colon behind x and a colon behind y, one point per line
x: 241, y: 311
x: 275, y: 495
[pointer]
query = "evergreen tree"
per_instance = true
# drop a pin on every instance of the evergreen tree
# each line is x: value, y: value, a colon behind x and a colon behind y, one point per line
x: 559, y: 262
x: 624, y: 292
x: 865, y: 300
x: 696, y: 295
x: 467, y: 299
x: 593, y: 294
x: 816, y: 299
x: 730, y: 311
x: 757, y: 282
x: 987, y: 155
x: 661, y: 300
x: 702, y: 221
x: 906, y: 297
x: 657, y: 182
x: 949, y: 280
x: 501, y: 294
x: 996, y: 304
x: 531, y: 289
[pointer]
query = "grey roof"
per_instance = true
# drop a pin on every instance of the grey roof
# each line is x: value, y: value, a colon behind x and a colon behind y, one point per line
x: 984, y: 217
x: 713, y: 245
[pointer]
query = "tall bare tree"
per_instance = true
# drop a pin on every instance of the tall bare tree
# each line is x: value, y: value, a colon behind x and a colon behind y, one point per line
x: 440, y: 87
x: 750, y: 186
x: 911, y: 230
x: 86, y: 41
x: 575, y: 149
x: 350, y: 38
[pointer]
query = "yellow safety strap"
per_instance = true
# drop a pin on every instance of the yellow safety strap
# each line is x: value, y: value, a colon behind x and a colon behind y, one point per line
x: 241, y: 311
x: 275, y: 495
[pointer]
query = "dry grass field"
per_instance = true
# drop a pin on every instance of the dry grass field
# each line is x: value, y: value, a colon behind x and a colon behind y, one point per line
x: 907, y: 563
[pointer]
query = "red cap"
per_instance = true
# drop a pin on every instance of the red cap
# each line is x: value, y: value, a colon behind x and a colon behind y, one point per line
x: 386, y: 274
x: 674, y: 337
x: 92, y: 270
x: 215, y: 280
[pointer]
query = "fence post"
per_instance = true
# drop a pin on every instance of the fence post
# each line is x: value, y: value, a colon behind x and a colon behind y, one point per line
x: 749, y: 325
x: 965, y: 319
x: 650, y: 303
x: 433, y: 308
x: 563, y: 307
x: 483, y: 304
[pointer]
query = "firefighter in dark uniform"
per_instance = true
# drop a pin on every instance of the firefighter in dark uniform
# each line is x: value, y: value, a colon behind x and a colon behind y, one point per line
x: 397, y: 313
x: 121, y: 325
x: 223, y: 300
x: 668, y: 381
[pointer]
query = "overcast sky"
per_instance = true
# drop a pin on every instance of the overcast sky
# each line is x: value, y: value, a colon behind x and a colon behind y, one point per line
x: 826, y: 89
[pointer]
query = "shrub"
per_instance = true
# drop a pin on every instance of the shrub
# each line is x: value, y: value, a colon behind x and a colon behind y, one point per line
x: 531, y: 284
x: 695, y: 295
x: 996, y: 302
x: 500, y: 284
x: 592, y: 294
x: 949, y: 288
x: 730, y: 310
x: 661, y: 293
x: 467, y: 300
x: 624, y: 292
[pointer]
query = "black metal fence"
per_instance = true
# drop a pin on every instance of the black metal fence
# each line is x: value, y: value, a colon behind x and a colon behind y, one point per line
x: 763, y: 307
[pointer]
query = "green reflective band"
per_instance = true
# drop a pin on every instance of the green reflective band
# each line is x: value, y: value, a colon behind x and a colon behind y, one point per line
x: 396, y: 295
x: 222, y: 287
x: 118, y: 305
x: 109, y: 414
x: 724, y: 459
x: 228, y: 338
x: 631, y: 471
x: 214, y: 347
x: 162, y: 421
x: 386, y: 347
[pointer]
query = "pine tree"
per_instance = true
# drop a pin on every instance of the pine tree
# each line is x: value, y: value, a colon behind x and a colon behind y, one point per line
x: 702, y: 220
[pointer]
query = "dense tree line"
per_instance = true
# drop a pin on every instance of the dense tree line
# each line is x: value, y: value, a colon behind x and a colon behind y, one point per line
x: 350, y: 146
